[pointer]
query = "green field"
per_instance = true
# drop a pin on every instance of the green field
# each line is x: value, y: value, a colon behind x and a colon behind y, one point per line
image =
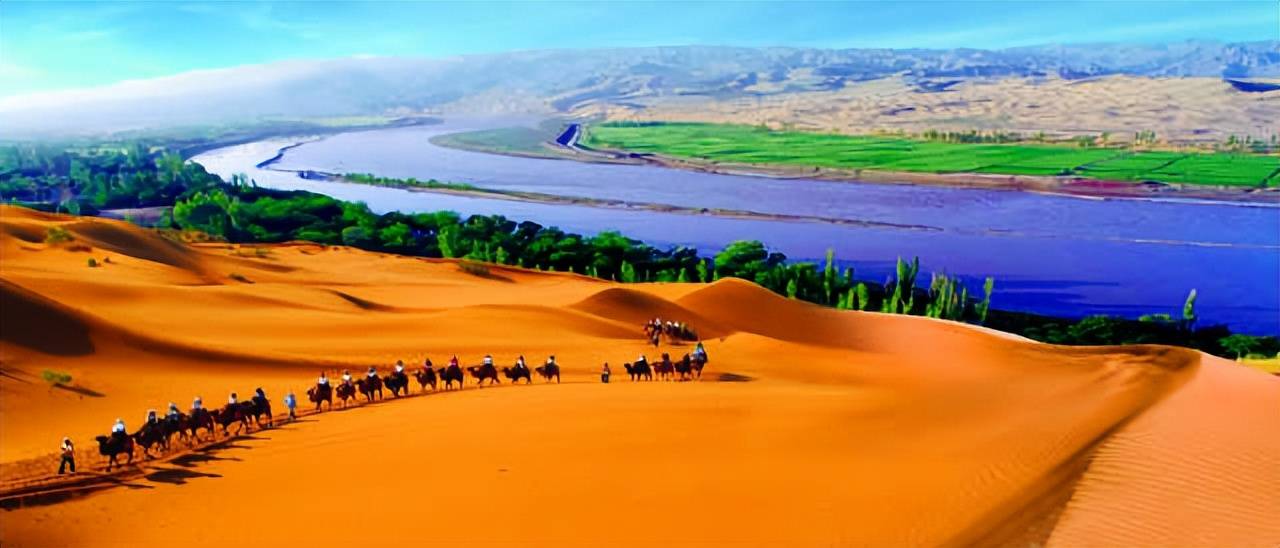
x: 755, y: 145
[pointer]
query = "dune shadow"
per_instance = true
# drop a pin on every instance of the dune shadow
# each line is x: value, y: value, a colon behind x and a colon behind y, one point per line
x: 200, y: 457
x: 733, y: 377
x: 8, y: 375
x: 177, y: 476
x: 80, y: 390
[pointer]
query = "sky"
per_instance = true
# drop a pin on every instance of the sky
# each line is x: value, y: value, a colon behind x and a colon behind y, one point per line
x: 48, y: 46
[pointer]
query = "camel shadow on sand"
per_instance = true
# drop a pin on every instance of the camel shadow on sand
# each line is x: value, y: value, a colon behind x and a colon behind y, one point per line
x: 177, y: 470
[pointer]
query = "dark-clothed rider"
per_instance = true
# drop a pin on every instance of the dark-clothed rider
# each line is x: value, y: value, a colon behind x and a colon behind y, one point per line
x: 118, y: 431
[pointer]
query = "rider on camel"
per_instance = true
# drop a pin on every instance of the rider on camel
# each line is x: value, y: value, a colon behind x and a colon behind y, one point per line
x: 641, y: 361
x: 520, y: 363
x: 453, y: 362
x: 173, y: 412
x: 551, y: 362
x: 488, y: 360
x: 700, y: 351
x: 399, y: 367
x: 373, y: 372
x: 232, y: 400
x: 197, y: 404
x: 151, y: 417
x: 346, y: 377
x: 259, y: 396
x: 426, y: 364
x: 118, y: 431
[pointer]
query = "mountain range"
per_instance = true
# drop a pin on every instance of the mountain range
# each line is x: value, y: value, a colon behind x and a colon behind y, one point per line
x: 562, y: 80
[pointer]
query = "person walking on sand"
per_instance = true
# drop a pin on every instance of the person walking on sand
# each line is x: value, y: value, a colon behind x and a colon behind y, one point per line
x: 68, y: 457
x: 604, y: 373
x: 291, y: 402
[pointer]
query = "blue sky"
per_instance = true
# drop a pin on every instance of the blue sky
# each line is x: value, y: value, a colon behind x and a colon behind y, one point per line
x: 46, y: 46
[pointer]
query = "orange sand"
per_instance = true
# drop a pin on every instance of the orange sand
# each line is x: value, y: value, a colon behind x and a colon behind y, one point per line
x: 851, y: 428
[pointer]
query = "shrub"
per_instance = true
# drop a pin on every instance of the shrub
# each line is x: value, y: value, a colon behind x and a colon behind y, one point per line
x: 474, y: 268
x: 239, y: 278
x: 57, y: 235
x: 93, y: 263
x: 55, y: 377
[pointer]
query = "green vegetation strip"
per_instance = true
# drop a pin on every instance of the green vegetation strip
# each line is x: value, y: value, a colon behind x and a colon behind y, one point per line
x: 757, y: 145
x: 86, y: 178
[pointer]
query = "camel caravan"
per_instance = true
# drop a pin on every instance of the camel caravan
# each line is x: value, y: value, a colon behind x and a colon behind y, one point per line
x: 157, y: 434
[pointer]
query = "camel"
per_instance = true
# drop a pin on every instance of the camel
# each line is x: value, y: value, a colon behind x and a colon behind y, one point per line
x: 483, y: 373
x: 199, y: 418
x: 368, y: 386
x: 231, y: 414
x: 110, y: 446
x: 684, y: 368
x: 699, y: 361
x: 319, y: 394
x: 515, y: 374
x: 548, y: 371
x: 450, y: 375
x: 255, y: 408
x: 151, y: 435
x: 426, y: 377
x: 397, y: 383
x: 640, y: 369
x: 346, y: 392
x: 664, y: 369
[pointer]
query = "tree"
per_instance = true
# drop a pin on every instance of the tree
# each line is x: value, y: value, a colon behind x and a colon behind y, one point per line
x: 447, y: 239
x: 864, y: 296
x: 1240, y: 345
x: 628, y: 273
x: 1189, y: 311
x: 397, y: 235
x: 985, y: 305
x: 356, y: 236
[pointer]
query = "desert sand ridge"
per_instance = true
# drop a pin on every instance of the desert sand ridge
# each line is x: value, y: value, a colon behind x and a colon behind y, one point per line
x: 851, y: 427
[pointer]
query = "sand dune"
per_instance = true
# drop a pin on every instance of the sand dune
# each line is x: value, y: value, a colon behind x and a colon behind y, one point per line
x: 851, y: 428
x: 1192, y: 111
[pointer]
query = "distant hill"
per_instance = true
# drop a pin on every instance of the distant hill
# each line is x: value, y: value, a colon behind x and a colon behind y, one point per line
x: 561, y: 80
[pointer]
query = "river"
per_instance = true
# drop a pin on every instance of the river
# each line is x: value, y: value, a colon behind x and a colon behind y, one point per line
x: 1049, y: 254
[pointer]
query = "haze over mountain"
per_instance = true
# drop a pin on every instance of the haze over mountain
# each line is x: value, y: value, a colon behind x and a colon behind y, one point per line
x: 564, y: 80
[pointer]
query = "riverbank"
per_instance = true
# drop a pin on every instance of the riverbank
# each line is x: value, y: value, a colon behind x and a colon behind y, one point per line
x: 1078, y: 187
x: 462, y: 189
x: 1072, y: 186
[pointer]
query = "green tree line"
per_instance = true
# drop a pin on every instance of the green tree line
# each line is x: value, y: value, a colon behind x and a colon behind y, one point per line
x: 239, y: 211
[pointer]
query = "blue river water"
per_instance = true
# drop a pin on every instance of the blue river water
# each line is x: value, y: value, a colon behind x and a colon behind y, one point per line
x: 1049, y: 254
